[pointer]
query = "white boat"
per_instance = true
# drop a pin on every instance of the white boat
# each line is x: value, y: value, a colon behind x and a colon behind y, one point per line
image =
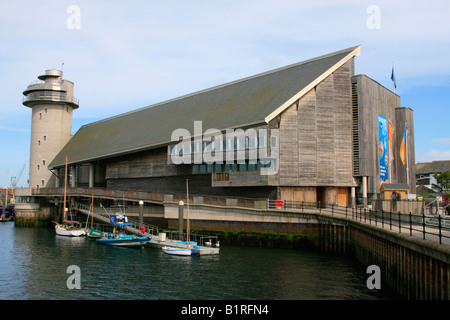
x: 69, y: 229
x: 181, y: 251
x: 177, y: 251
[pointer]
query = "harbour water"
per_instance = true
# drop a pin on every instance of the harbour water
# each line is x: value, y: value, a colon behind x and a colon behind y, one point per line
x: 34, y: 265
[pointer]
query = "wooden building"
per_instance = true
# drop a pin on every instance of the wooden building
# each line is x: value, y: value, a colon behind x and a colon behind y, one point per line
x: 322, y: 126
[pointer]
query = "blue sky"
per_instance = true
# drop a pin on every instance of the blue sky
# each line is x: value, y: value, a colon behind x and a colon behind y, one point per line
x: 124, y: 55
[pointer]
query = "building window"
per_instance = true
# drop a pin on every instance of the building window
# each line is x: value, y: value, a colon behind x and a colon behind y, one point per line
x: 39, y: 142
x: 45, y: 138
x: 43, y: 162
x: 45, y: 110
x: 38, y: 167
x: 40, y: 115
x: 42, y: 182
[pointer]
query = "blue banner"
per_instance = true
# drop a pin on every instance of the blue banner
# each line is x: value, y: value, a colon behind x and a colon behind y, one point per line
x: 383, y: 149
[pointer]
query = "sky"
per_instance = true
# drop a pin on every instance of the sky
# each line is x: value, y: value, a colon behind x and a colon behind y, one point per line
x: 125, y: 55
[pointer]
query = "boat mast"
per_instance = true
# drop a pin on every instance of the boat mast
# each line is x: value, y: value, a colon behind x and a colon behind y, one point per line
x: 92, y: 208
x: 187, y: 213
x: 65, y: 182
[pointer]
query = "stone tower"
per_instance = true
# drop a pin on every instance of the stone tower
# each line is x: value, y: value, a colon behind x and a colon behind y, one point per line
x: 52, y: 103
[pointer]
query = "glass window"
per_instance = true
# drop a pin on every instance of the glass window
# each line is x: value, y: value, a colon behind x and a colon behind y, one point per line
x: 251, y: 142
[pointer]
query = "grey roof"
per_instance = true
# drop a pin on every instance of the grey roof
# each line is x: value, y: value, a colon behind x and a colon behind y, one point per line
x: 239, y: 104
x: 396, y: 186
x: 432, y: 167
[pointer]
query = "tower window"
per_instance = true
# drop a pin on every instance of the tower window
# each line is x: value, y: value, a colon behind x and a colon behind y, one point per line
x: 42, y: 182
x: 40, y: 115
x: 45, y: 110
x: 45, y: 138
x: 38, y: 167
x: 39, y: 142
x: 43, y: 162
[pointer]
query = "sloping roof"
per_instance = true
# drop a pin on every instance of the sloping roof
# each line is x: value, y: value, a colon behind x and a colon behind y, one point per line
x: 395, y: 186
x: 239, y: 104
x: 432, y: 167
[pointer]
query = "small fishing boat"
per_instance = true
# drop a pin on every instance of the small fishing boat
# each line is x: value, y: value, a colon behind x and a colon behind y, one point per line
x: 177, y: 251
x: 182, y: 251
x: 94, y: 234
x: 123, y: 240
x: 69, y: 229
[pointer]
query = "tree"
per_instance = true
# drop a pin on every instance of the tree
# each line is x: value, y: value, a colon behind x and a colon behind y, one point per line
x: 443, y: 184
x: 443, y: 181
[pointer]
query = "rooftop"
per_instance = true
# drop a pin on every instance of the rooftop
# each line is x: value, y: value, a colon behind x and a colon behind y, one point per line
x: 247, y: 102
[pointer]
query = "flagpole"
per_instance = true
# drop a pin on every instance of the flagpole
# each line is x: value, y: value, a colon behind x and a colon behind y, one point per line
x: 406, y: 158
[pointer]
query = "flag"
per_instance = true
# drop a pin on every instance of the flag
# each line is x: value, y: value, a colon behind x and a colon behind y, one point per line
x: 393, y: 78
x: 390, y: 139
x: 403, y: 146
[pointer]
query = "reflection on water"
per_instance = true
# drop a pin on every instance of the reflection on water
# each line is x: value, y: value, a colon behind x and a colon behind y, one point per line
x: 35, y: 261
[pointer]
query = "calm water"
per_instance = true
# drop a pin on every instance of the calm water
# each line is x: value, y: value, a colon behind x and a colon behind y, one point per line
x: 34, y: 266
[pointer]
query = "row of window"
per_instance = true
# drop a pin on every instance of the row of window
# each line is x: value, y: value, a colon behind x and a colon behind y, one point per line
x: 241, y: 143
x: 233, y: 167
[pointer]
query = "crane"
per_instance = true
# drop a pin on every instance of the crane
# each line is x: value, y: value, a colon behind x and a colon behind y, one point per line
x: 15, y: 180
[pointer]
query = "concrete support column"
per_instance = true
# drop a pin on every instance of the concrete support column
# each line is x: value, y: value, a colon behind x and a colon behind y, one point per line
x: 141, y: 212
x: 364, y: 191
x: 353, y: 197
x: 91, y: 175
x: 180, y: 217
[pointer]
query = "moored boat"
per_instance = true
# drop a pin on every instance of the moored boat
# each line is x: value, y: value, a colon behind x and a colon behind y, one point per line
x: 123, y: 240
x: 69, y: 229
x: 94, y: 234
x: 177, y: 251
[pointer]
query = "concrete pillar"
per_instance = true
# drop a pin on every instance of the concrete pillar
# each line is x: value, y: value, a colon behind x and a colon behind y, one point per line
x: 353, y: 197
x: 91, y: 175
x: 364, y: 191
x: 141, y: 212
x: 180, y: 217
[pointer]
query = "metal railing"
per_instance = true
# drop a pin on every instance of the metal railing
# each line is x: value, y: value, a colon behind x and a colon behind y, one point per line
x: 102, y: 214
x: 414, y: 224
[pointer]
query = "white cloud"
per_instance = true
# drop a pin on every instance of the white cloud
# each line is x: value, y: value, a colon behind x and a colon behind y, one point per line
x: 442, y: 141
x: 434, y: 155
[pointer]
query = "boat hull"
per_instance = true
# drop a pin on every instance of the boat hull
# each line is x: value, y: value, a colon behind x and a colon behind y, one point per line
x: 124, y: 241
x: 177, y: 251
x: 94, y: 234
x: 63, y: 231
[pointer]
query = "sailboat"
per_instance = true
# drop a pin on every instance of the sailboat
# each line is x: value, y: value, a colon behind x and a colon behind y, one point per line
x: 68, y: 228
x: 181, y: 251
x: 91, y: 232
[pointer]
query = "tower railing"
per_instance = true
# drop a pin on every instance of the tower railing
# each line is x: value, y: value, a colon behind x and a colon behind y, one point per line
x: 51, y: 97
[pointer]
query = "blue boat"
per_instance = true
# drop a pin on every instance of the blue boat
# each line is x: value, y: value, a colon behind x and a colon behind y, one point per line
x: 123, y: 240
